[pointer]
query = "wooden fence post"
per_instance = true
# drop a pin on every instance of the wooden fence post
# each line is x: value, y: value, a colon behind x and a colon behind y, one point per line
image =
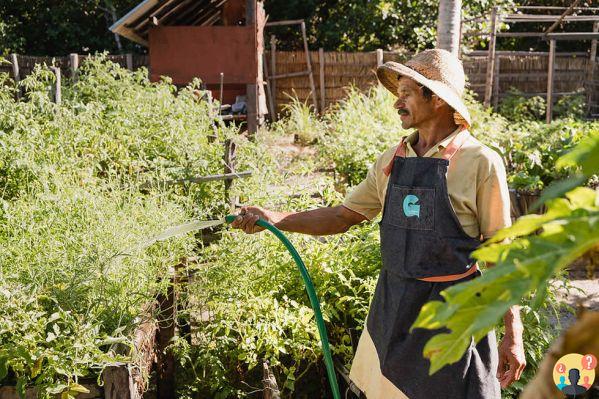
x: 591, y: 69
x: 229, y: 160
x: 74, y: 63
x: 551, y: 69
x: 129, y: 61
x: 491, y: 58
x: 267, y: 82
x: 496, y: 73
x: 309, y: 62
x: 14, y: 60
x: 271, y: 389
x: 322, y: 86
x: 56, y: 90
x: 379, y: 57
x: 273, y: 71
x: 165, y: 360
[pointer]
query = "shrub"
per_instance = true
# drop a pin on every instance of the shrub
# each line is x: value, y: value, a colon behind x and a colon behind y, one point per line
x: 516, y: 107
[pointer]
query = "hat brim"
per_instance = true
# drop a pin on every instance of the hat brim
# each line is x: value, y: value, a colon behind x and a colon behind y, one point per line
x: 389, y: 73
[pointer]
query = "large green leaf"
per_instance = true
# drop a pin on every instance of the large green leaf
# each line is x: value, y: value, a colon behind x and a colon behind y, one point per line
x: 527, y: 255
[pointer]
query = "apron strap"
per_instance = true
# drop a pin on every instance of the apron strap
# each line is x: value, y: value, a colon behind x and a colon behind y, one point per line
x: 399, y: 152
x: 454, y: 146
x: 450, y: 277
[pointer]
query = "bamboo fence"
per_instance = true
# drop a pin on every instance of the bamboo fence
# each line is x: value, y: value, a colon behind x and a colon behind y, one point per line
x: 526, y: 72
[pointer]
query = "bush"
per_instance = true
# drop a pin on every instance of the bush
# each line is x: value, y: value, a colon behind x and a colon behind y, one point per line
x: 518, y: 108
x: 259, y: 311
x: 74, y: 273
x: 360, y: 128
x: 570, y: 106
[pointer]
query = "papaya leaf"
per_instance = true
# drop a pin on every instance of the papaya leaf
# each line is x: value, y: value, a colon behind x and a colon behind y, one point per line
x: 523, y: 265
x: 585, y: 155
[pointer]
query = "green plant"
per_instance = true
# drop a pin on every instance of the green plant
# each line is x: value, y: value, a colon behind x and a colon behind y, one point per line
x: 301, y: 121
x: 570, y: 106
x: 516, y: 107
x: 258, y: 310
x: 74, y: 276
x: 360, y: 128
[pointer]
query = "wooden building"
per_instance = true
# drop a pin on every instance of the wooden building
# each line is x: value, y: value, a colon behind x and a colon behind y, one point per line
x: 218, y: 41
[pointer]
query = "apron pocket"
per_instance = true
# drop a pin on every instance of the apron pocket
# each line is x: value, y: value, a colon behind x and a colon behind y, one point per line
x: 411, y: 208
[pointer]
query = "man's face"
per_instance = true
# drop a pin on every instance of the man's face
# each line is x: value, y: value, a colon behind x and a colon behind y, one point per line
x: 411, y: 104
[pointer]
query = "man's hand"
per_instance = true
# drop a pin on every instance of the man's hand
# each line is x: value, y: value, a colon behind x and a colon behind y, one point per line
x: 511, y: 350
x: 249, y: 215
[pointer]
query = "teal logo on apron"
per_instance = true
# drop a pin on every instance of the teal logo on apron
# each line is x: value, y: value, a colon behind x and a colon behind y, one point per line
x: 410, y: 206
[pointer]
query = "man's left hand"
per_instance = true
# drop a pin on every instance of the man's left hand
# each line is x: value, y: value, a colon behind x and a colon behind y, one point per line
x: 511, y: 360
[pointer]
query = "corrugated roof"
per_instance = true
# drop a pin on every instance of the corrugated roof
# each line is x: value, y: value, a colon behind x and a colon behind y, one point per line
x: 136, y: 23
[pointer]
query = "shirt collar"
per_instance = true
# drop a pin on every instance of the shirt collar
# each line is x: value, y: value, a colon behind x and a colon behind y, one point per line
x: 412, y: 139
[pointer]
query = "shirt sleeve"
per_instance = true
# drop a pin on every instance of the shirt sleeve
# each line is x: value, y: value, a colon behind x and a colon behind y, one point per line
x: 364, y: 198
x: 493, y: 199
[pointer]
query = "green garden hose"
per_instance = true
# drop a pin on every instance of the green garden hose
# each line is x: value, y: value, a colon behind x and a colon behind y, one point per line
x: 322, y: 329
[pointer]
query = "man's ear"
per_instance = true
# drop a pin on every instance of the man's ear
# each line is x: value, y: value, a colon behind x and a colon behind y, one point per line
x: 438, y: 103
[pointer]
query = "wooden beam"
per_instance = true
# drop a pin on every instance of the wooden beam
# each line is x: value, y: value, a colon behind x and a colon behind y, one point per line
x: 205, y: 18
x: 288, y: 22
x: 250, y: 12
x: 491, y: 58
x: 591, y: 68
x: 289, y: 75
x: 167, y: 18
x: 550, y: 71
x: 568, y: 11
x: 252, y: 88
x: 273, y: 70
x: 215, y: 16
x: 548, y: 18
x: 309, y: 63
x: 379, y: 57
x: 496, y: 75
x: 500, y: 53
x: 252, y: 107
x: 190, y: 13
x: 165, y: 359
x: 129, y: 61
x: 74, y: 64
x: 574, y: 36
x: 555, y: 8
x: 229, y: 159
x: 271, y: 389
x: 57, y: 88
x: 14, y: 60
x: 270, y: 103
x: 321, y: 81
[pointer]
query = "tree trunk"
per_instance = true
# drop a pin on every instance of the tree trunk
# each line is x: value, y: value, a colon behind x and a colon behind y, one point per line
x: 448, y: 25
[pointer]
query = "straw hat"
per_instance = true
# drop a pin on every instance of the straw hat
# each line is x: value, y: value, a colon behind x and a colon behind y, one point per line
x: 436, y: 69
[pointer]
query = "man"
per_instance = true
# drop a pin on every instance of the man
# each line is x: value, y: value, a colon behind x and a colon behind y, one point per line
x: 440, y: 193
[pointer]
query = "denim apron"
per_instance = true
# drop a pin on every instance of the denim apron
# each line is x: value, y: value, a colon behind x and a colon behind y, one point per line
x: 424, y: 251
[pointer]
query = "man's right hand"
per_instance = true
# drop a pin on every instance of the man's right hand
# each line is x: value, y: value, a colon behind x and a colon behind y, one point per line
x: 249, y: 215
